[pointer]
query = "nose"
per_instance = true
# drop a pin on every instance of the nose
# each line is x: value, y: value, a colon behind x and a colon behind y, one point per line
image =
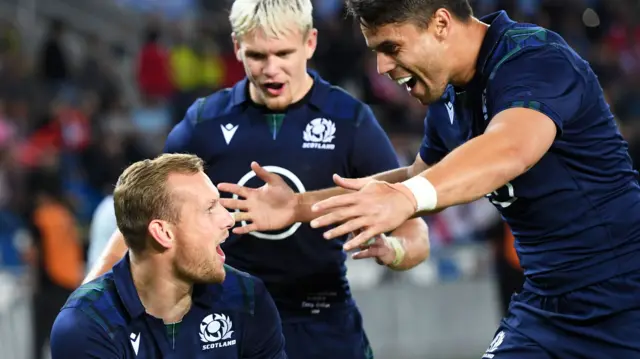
x: 271, y: 67
x: 229, y: 220
x: 385, y: 63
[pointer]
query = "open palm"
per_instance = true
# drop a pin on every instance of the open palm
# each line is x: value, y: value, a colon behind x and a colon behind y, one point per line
x: 269, y: 207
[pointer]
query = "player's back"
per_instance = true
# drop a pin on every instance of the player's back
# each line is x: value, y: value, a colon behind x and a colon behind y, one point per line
x: 575, y: 213
x: 327, y: 132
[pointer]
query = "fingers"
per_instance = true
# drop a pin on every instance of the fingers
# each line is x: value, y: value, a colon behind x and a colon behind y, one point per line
x: 349, y: 183
x: 348, y: 227
x: 336, y: 201
x: 234, y: 189
x: 361, y: 238
x: 337, y: 216
x: 230, y: 203
x: 372, y: 252
x: 263, y: 174
x: 245, y: 229
x: 241, y: 216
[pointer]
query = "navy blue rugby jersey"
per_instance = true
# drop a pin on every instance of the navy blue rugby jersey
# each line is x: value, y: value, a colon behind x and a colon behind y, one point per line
x: 575, y: 214
x: 327, y: 132
x: 105, y: 319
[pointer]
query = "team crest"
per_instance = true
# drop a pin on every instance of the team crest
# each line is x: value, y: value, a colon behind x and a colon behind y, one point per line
x: 319, y: 134
x: 215, y: 331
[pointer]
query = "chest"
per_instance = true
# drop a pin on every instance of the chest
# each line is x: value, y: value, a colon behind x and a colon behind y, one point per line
x: 213, y: 335
x: 304, y: 147
x: 463, y: 116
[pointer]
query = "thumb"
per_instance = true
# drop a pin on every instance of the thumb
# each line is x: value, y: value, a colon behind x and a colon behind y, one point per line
x: 350, y: 183
x: 263, y: 174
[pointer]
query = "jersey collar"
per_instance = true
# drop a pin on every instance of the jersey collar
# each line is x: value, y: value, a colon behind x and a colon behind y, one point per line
x: 203, y: 294
x: 319, y: 94
x: 499, y: 22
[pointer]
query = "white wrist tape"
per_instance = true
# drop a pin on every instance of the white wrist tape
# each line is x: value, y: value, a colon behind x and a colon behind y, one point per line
x: 398, y: 248
x: 424, y: 193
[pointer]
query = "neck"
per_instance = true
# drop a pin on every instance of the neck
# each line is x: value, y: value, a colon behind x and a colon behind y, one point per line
x: 298, y: 93
x: 162, y: 294
x: 471, y: 39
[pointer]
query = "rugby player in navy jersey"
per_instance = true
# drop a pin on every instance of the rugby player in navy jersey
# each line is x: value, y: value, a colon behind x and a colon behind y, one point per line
x: 171, y: 296
x: 300, y: 127
x: 517, y: 116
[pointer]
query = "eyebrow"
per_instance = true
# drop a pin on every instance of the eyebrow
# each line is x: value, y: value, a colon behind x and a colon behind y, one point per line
x: 385, y: 46
x: 282, y: 52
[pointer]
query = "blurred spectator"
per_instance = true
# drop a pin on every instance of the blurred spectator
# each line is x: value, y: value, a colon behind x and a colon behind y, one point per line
x: 58, y: 253
x: 54, y: 66
x: 103, y: 224
x: 154, y: 68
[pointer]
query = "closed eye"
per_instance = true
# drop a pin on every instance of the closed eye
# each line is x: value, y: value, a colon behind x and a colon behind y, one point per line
x: 387, y: 48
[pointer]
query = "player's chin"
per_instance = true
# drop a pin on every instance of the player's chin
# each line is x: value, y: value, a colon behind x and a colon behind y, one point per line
x: 423, y: 94
x: 278, y: 103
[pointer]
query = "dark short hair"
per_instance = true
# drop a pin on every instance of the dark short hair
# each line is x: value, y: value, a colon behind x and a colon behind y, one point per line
x: 374, y: 13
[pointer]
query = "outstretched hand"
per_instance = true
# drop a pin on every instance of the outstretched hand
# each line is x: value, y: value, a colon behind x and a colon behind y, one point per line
x: 269, y: 207
x: 377, y: 248
x: 377, y: 207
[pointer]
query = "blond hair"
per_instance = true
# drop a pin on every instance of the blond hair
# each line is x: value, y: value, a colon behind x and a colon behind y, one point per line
x: 274, y: 17
x: 141, y: 195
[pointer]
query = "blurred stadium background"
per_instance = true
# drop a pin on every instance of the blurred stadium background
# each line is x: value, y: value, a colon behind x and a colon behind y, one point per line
x: 87, y: 86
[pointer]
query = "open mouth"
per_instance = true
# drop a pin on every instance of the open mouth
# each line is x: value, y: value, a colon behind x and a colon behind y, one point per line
x: 408, y: 82
x: 221, y: 253
x: 274, y: 88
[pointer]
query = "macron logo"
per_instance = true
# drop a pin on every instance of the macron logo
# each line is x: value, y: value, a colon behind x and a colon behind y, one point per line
x: 135, y: 342
x: 228, y: 131
x: 449, y: 106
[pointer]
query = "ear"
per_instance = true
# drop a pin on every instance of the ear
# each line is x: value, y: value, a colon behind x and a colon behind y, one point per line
x: 162, y: 233
x: 236, y: 47
x: 441, y: 21
x: 311, y: 43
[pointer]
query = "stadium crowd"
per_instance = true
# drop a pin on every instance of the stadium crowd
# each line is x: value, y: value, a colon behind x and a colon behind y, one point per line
x: 73, y: 116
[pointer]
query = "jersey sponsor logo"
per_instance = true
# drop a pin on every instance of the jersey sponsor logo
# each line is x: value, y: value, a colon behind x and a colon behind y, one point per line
x: 299, y: 186
x: 228, y: 131
x: 495, y: 344
x: 135, y: 342
x: 503, y: 196
x: 318, y: 134
x: 215, y: 332
x: 449, y: 107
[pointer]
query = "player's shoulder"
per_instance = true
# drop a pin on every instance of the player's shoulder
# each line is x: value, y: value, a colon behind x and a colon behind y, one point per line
x: 99, y: 302
x: 522, y: 41
x: 340, y: 104
x: 241, y: 289
x: 219, y: 104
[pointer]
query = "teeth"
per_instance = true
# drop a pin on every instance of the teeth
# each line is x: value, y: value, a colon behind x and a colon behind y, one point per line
x: 404, y: 80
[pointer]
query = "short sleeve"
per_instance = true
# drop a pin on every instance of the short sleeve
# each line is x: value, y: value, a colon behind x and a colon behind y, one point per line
x: 432, y: 149
x: 75, y: 335
x: 180, y: 139
x: 372, y: 151
x: 264, y: 338
x: 547, y: 79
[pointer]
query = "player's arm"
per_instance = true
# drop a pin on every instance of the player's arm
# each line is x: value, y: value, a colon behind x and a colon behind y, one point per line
x: 178, y: 141
x: 263, y: 333
x: 75, y: 335
x: 532, y: 95
x: 275, y: 206
x: 408, y: 245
